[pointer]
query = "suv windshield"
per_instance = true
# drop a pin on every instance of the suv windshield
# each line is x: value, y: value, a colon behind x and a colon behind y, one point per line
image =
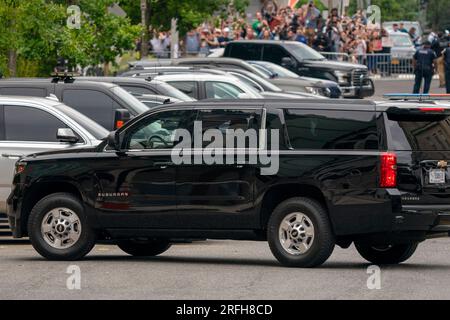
x: 171, y: 91
x: 96, y: 130
x: 401, y: 40
x: 303, y: 52
x: 137, y: 106
x: 276, y: 69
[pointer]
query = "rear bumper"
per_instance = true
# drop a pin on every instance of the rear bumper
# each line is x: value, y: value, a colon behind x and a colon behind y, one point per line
x: 430, y: 218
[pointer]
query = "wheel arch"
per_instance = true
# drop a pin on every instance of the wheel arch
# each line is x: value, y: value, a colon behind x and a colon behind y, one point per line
x: 42, y: 189
x: 279, y: 193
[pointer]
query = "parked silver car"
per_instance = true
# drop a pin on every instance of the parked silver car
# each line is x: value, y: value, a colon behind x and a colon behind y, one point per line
x: 30, y: 125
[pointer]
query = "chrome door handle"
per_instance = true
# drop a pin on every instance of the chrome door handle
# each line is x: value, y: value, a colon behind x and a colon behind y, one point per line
x: 163, y: 165
x: 12, y: 156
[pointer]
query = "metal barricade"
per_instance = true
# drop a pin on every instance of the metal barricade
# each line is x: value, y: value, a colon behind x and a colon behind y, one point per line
x: 385, y: 65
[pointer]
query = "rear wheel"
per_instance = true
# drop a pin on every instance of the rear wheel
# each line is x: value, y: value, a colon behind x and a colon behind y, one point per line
x: 299, y: 233
x: 387, y: 254
x: 58, y: 228
x: 145, y: 248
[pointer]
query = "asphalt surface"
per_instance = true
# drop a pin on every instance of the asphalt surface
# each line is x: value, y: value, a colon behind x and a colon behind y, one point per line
x: 225, y: 270
x: 221, y: 270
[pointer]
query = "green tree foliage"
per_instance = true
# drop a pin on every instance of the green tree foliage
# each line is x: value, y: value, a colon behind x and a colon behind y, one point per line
x: 393, y: 10
x: 438, y: 14
x: 190, y: 13
x: 34, y: 33
x: 102, y: 36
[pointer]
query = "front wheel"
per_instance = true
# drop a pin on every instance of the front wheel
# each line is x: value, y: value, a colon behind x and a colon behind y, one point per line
x: 299, y: 233
x: 387, y: 254
x: 144, y: 248
x: 58, y: 228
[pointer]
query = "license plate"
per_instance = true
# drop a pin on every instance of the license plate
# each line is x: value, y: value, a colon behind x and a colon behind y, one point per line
x: 437, y: 176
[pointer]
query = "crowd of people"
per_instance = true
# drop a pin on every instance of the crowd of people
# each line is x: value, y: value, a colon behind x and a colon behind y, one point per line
x: 354, y: 38
x: 340, y: 34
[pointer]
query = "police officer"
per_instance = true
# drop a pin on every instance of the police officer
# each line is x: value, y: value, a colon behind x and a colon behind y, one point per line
x: 447, y: 67
x: 424, y: 64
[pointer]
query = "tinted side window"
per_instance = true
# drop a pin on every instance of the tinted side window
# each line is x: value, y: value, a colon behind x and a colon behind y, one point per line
x: 332, y: 129
x: 93, y: 104
x: 246, y: 51
x: 224, y: 120
x: 274, y: 54
x: 23, y: 91
x: 155, y: 132
x: 29, y: 124
x: 187, y: 87
x: 138, y: 90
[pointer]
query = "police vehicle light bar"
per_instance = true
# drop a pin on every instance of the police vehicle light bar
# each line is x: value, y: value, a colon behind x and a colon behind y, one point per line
x: 415, y: 97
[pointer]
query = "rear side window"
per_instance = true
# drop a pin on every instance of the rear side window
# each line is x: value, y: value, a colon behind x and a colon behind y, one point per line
x: 30, y: 124
x: 246, y: 51
x: 274, y: 54
x: 94, y: 104
x: 22, y: 91
x: 332, y: 130
x: 428, y: 133
x: 187, y: 87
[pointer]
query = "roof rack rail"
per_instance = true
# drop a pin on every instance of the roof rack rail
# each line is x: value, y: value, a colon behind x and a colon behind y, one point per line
x: 416, y: 97
x: 66, y: 77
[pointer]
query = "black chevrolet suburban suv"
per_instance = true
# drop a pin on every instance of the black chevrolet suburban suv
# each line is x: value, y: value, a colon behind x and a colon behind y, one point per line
x: 373, y: 174
x: 307, y: 62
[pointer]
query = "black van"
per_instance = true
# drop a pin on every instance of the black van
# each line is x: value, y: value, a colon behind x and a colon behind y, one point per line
x: 305, y: 61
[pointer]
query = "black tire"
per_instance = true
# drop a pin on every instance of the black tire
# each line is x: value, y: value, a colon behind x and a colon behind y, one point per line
x: 144, y: 248
x: 385, y: 255
x: 323, y: 244
x: 77, y: 251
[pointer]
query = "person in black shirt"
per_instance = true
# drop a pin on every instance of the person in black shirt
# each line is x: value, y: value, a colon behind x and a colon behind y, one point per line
x: 447, y: 67
x: 424, y: 64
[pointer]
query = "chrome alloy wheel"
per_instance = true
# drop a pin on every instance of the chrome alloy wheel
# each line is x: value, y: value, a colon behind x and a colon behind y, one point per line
x: 296, y: 233
x: 61, y: 228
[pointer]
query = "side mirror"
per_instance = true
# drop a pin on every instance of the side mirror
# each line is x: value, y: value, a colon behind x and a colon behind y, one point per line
x: 66, y: 135
x: 121, y: 117
x: 112, y: 141
x: 288, y: 63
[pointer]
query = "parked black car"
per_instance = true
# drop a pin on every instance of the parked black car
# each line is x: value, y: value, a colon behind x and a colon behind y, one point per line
x: 305, y: 61
x: 107, y: 104
x: 373, y: 174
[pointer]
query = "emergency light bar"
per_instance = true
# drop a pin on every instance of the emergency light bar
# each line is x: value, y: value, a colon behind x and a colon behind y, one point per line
x: 417, y: 97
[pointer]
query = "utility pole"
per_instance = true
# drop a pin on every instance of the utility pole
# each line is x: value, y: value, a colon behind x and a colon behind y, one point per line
x: 145, y: 26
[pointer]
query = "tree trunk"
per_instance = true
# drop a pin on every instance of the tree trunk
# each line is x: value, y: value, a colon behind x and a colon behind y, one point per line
x: 145, y: 24
x: 12, y: 63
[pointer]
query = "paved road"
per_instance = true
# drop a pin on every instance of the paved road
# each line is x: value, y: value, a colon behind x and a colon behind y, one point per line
x: 221, y: 270
x: 225, y: 270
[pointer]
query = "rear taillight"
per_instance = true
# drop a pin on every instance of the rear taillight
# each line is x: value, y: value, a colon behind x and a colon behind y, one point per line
x: 388, y: 170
